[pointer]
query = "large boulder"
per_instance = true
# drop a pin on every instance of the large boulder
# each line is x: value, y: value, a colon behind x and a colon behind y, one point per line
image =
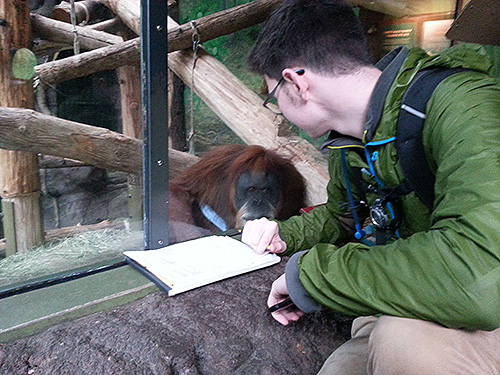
x: 82, y: 195
x: 222, y: 328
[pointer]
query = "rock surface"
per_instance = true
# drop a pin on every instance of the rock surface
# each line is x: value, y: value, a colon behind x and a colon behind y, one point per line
x: 223, y: 328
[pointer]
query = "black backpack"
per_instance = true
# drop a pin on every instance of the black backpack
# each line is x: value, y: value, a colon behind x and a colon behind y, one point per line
x: 418, y: 175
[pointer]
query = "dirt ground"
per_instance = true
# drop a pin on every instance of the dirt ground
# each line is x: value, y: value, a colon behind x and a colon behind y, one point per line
x: 223, y: 328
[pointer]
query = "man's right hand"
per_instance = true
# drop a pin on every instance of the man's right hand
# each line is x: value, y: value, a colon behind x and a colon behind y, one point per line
x: 279, y: 292
x: 263, y: 235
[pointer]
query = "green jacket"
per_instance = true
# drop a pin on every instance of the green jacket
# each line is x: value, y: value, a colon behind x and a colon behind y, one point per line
x: 446, y: 265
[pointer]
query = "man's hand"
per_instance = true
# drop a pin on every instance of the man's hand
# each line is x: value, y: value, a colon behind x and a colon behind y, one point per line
x: 263, y: 235
x: 279, y: 292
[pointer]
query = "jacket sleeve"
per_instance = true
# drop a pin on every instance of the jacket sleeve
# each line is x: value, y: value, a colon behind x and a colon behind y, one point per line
x: 449, y: 274
x: 329, y: 223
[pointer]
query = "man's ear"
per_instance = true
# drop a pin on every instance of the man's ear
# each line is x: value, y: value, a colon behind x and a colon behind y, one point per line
x: 300, y: 81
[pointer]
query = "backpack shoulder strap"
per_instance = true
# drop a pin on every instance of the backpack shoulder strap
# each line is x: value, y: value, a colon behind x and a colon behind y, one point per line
x: 410, y: 126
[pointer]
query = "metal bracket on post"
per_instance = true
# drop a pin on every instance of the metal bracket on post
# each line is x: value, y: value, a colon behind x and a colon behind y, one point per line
x: 154, y: 65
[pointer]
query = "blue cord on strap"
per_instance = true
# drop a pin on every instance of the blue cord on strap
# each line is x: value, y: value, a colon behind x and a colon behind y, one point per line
x: 360, y: 233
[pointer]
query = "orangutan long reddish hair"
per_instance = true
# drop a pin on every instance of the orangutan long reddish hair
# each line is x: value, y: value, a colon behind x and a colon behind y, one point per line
x: 238, y: 183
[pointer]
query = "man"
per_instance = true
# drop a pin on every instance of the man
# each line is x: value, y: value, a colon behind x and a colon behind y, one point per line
x: 427, y: 294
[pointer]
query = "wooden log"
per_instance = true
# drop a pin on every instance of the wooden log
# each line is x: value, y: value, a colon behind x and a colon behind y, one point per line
x: 19, y: 176
x: 128, y: 53
x: 22, y: 222
x: 129, y: 78
x: 221, y: 23
x: 128, y: 10
x: 27, y: 130
x: 62, y: 32
x: 32, y: 131
x: 179, y: 161
x: 85, y: 12
x: 209, y: 27
x: 86, y: 63
x: 113, y: 24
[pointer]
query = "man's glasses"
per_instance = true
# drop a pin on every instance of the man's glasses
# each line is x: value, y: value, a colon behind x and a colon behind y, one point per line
x: 270, y: 96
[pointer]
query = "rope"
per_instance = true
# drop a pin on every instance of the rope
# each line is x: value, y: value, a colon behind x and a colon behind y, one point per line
x: 196, y: 44
x: 76, y: 41
x: 87, y: 13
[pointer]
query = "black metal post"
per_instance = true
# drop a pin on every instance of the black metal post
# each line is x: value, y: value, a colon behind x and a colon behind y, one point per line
x: 154, y: 96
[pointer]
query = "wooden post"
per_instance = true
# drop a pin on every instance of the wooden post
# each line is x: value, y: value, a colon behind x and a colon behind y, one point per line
x: 129, y: 77
x: 19, y: 176
x: 176, y: 111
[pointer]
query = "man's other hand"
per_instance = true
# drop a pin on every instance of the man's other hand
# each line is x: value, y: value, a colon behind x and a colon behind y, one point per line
x: 263, y: 235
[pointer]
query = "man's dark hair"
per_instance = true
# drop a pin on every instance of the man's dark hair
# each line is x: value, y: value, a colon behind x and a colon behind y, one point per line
x: 324, y: 35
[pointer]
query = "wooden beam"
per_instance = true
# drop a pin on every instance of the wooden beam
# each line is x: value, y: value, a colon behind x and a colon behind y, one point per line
x: 27, y: 130
x: 221, y: 23
x: 86, y: 11
x: 113, y: 24
x: 209, y: 27
x: 128, y: 53
x: 128, y: 10
x: 84, y: 64
x: 62, y: 32
x: 38, y: 133
x: 19, y: 176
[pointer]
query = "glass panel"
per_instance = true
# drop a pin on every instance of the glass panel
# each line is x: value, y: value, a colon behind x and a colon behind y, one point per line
x: 89, y: 170
x: 222, y: 111
x: 205, y: 122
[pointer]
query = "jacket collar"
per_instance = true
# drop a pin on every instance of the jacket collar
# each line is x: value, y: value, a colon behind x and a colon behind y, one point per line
x: 390, y: 65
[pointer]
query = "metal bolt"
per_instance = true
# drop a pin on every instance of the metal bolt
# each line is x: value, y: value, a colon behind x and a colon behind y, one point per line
x: 160, y: 242
x: 160, y: 163
x: 159, y: 28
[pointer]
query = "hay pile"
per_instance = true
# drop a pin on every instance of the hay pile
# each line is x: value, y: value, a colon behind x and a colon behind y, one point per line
x: 94, y: 247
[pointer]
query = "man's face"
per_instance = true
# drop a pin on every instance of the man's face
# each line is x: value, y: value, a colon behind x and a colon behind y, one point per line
x: 296, y: 109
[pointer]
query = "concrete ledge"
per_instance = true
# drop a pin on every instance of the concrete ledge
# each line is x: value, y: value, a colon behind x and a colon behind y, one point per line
x: 33, y: 312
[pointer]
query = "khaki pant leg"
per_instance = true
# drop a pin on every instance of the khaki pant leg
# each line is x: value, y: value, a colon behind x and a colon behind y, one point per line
x: 400, y: 346
x: 351, y: 357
